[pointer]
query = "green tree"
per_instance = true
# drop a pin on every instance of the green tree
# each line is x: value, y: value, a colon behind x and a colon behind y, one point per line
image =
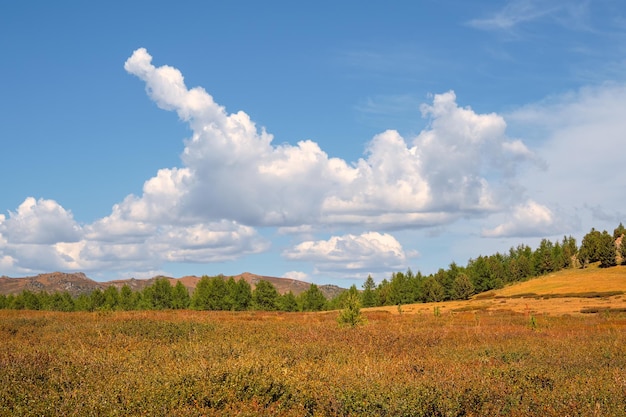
x: 619, y: 231
x: 159, y: 294
x: 569, y: 250
x: 96, y: 300
x: 111, y: 298
x: 462, y: 288
x: 622, y: 250
x: 606, y: 250
x: 544, y: 257
x: 351, y: 314
x: 432, y: 290
x: 200, y: 297
x: 127, y: 298
x: 239, y: 294
x: 384, y: 293
x: 368, y: 296
x: 288, y: 302
x: 313, y: 299
x: 243, y: 296
x: 589, y: 248
x: 400, y: 290
x: 180, y: 296
x: 217, y: 294
x: 265, y: 296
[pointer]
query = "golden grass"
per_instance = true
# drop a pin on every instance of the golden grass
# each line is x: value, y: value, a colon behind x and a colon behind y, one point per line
x: 183, y: 363
x: 571, y: 291
x: 571, y: 281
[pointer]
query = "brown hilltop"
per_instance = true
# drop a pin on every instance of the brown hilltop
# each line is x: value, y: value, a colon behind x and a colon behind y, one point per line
x: 74, y: 283
x: 78, y: 283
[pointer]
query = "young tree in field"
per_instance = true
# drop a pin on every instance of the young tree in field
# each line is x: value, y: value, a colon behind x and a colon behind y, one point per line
x: 462, y: 288
x: 351, y: 314
x: 606, y: 250
x: 180, y: 296
x: 622, y: 249
x: 265, y: 296
x: 619, y: 231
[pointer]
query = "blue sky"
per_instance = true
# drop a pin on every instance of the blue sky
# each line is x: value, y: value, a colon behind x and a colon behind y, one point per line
x: 323, y: 141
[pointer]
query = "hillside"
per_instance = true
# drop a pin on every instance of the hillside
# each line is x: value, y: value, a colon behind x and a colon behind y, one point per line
x: 570, y: 291
x: 78, y: 283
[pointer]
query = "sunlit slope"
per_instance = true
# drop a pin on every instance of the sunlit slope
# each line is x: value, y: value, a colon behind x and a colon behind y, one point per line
x: 572, y: 291
x: 571, y: 281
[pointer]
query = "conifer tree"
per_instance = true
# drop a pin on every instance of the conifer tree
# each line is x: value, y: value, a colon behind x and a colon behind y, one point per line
x: 180, y: 296
x: 462, y: 288
x: 368, y: 296
x: 606, y: 250
x: 265, y: 296
x: 351, y: 315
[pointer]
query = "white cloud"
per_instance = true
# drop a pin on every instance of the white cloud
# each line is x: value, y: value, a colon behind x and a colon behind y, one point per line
x: 529, y: 219
x: 297, y: 275
x: 583, y: 148
x: 40, y: 222
x: 370, y: 251
x: 234, y: 179
x: 516, y: 12
x: 459, y: 165
x: 114, y: 243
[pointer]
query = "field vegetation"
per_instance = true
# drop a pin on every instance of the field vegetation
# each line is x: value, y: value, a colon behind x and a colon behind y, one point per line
x: 191, y: 363
x: 521, y: 346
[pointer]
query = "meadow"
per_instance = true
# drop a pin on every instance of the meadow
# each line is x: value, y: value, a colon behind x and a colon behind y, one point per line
x: 192, y: 363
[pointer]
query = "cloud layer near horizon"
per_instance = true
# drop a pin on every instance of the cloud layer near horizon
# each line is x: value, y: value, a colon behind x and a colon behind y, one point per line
x: 233, y: 180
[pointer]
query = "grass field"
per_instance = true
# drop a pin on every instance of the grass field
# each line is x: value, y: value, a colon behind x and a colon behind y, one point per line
x: 471, y: 363
x: 525, y: 350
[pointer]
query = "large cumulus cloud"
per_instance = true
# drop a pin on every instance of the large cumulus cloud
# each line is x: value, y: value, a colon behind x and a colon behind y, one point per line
x: 234, y: 179
x: 460, y: 164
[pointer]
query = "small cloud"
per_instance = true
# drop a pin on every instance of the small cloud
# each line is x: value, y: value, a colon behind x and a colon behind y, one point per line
x: 297, y: 275
x: 529, y: 219
x: 370, y: 251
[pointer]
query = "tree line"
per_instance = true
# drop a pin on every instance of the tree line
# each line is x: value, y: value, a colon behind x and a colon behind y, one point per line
x: 481, y: 274
x: 211, y: 293
x: 486, y: 273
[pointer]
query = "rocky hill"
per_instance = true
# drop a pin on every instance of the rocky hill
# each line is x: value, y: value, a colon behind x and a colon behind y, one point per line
x: 78, y: 283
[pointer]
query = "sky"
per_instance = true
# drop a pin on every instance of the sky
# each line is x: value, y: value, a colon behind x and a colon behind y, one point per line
x: 323, y: 141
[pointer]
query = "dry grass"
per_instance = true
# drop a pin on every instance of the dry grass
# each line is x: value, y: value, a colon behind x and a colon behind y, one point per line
x: 572, y: 281
x: 469, y: 363
x: 571, y: 291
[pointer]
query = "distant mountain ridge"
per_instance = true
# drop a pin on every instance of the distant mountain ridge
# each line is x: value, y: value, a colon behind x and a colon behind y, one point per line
x: 77, y: 283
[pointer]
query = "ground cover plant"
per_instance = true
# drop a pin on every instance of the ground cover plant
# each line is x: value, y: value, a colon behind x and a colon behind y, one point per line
x: 192, y: 363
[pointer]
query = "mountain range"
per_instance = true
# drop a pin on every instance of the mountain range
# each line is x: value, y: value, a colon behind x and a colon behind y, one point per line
x: 77, y: 283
